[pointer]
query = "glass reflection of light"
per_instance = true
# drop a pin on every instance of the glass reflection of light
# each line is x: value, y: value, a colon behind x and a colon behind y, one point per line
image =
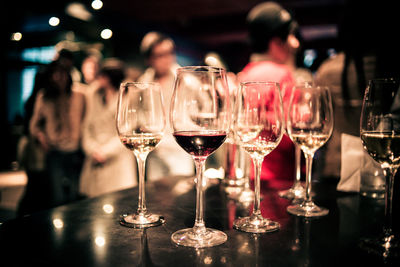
x: 58, y: 223
x: 212, y: 173
x: 100, y: 241
x: 108, y: 208
x: 223, y: 259
x: 208, y: 260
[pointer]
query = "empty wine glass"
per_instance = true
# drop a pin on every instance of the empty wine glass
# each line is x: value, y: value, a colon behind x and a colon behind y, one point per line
x: 200, y: 118
x: 140, y: 125
x: 380, y: 135
x: 259, y: 126
x: 309, y: 125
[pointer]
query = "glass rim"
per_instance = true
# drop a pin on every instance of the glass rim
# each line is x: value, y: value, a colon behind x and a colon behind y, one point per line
x: 311, y: 85
x: 124, y: 84
x: 259, y: 82
x: 200, y: 69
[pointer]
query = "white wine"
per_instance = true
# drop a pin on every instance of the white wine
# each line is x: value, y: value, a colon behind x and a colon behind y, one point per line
x: 383, y: 147
x: 248, y: 133
x: 259, y: 148
x: 261, y: 145
x: 309, y: 142
x: 141, y: 143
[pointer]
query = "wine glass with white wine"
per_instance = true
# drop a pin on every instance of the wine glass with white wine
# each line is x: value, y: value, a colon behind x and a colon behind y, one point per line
x: 309, y: 125
x: 259, y: 126
x: 380, y: 135
x: 140, y: 125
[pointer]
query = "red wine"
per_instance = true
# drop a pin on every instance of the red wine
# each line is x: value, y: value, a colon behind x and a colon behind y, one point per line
x: 200, y: 144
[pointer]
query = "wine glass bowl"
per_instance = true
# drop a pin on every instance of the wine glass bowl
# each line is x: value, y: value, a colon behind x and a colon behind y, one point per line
x: 140, y: 125
x: 380, y: 135
x: 259, y: 126
x: 200, y: 118
x: 309, y: 125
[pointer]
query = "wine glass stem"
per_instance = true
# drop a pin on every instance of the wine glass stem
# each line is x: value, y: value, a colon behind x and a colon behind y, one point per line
x: 309, y: 160
x: 298, y: 163
x: 199, y: 226
x: 389, y: 174
x: 141, y: 160
x: 258, y: 164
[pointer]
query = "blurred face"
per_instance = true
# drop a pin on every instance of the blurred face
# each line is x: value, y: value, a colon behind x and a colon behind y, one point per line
x: 60, y: 79
x: 89, y: 70
x: 281, y: 51
x: 293, y: 43
x: 162, y: 57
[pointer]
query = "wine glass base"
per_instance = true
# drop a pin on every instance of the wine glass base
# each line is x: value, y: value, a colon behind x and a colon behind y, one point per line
x: 139, y: 221
x: 249, y: 225
x: 188, y: 238
x: 307, y: 209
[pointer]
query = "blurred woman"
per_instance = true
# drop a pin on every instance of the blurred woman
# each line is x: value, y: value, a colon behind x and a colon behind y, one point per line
x: 108, y: 166
x: 56, y: 124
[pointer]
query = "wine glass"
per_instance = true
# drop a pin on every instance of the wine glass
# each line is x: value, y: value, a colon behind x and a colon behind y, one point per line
x: 259, y: 126
x: 200, y: 118
x: 380, y: 135
x: 140, y: 125
x: 309, y: 125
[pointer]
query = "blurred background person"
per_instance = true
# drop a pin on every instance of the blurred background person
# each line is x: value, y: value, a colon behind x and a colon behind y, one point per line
x: 365, y: 52
x: 32, y: 158
x: 65, y: 58
x: 56, y: 124
x: 90, y: 68
x: 168, y: 158
x: 108, y: 165
x: 271, y: 32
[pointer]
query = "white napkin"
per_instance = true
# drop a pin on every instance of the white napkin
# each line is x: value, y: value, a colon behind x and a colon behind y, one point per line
x: 351, y: 159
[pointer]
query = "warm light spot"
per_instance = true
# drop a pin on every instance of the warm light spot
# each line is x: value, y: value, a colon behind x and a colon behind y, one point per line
x: 100, y: 241
x: 97, y: 4
x: 16, y: 36
x: 58, y: 223
x: 108, y: 208
x: 208, y: 260
x: 54, y: 21
x: 211, y: 61
x: 106, y: 34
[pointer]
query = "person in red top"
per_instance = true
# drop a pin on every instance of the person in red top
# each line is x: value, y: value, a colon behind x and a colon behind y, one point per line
x: 271, y: 31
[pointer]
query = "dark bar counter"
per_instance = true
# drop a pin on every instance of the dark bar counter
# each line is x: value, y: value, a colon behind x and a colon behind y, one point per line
x: 88, y: 233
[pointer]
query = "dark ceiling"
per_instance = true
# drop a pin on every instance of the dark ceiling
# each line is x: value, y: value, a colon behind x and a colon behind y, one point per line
x: 199, y: 25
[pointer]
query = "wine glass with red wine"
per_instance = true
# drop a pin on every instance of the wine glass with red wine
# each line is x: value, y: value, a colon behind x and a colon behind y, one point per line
x: 140, y: 125
x: 200, y: 118
x: 259, y: 126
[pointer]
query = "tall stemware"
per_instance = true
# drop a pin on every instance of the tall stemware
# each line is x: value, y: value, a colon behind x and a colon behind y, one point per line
x: 200, y: 118
x: 259, y: 126
x: 309, y: 125
x: 140, y: 125
x: 380, y: 135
